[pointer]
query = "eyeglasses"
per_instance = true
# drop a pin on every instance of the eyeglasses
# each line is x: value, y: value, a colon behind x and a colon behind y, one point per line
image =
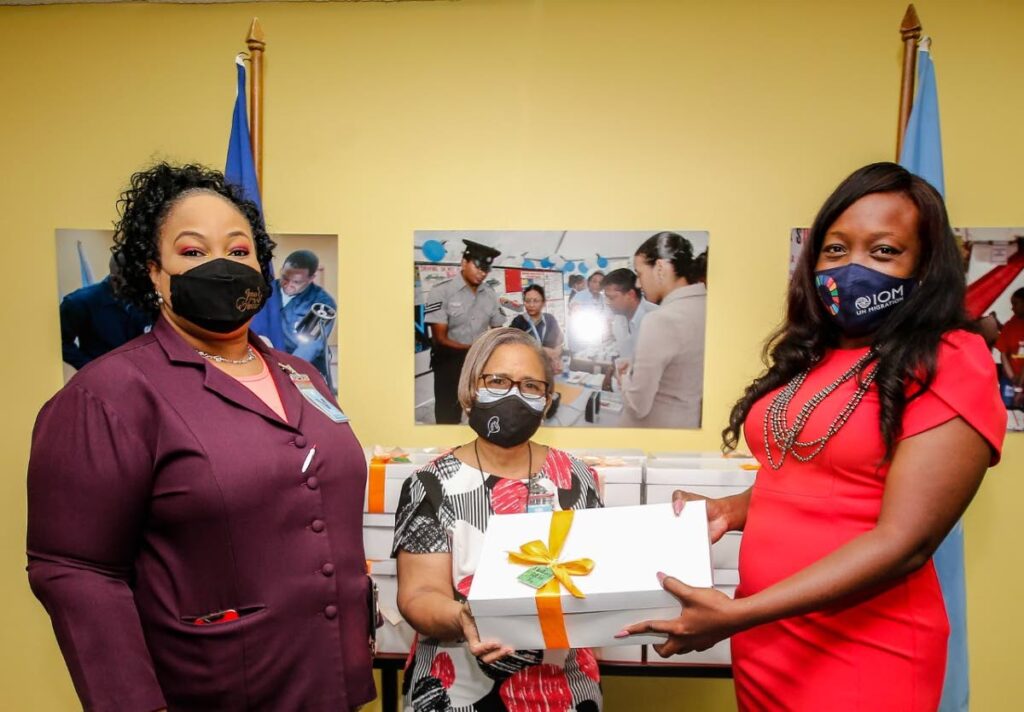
x: 500, y: 385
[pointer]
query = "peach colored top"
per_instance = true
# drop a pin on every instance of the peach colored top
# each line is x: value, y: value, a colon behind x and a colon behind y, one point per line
x: 262, y: 384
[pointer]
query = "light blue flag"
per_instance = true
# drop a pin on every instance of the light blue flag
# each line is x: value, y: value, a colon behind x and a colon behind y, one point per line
x: 84, y: 267
x: 922, y: 155
x: 922, y: 142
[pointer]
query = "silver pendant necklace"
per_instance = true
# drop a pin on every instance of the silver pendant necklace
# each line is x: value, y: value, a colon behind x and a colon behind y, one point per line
x: 785, y: 438
x: 249, y: 357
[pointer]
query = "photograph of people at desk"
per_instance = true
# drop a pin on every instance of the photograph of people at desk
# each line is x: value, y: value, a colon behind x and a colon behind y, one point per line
x: 592, y: 300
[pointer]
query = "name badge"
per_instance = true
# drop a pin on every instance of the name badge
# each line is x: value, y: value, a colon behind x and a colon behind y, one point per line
x: 314, y: 397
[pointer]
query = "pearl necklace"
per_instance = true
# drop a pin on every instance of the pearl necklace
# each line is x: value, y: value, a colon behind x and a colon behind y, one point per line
x: 249, y: 356
x: 784, y: 437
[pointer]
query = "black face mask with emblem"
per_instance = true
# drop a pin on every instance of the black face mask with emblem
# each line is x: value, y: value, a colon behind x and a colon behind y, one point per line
x: 507, y: 421
x: 220, y: 295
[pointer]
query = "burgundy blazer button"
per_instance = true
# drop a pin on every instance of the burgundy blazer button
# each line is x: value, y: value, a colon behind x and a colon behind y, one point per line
x: 331, y: 612
x: 318, y: 525
x: 300, y: 441
x: 327, y: 569
x: 313, y: 482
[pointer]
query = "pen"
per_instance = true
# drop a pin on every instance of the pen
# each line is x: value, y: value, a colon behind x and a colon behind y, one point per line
x: 309, y: 459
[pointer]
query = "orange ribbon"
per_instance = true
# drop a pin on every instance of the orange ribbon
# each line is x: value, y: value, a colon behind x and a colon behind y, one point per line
x: 375, y: 484
x: 549, y: 596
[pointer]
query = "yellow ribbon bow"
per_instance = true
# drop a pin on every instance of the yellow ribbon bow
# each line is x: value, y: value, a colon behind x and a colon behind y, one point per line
x: 549, y: 596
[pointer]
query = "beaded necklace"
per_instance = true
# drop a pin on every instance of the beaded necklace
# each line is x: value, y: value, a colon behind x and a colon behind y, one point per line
x: 784, y: 437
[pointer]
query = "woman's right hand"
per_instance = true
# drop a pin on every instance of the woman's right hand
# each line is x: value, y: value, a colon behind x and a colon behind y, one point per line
x: 489, y: 651
x: 719, y: 512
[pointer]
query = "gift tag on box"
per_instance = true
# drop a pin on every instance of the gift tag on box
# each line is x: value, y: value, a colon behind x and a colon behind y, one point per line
x: 536, y: 576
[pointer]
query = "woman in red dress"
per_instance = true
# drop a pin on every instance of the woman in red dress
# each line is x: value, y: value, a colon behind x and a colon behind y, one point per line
x: 874, y: 425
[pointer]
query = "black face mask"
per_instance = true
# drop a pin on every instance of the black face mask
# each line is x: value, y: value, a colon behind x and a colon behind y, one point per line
x: 220, y: 295
x: 506, y: 422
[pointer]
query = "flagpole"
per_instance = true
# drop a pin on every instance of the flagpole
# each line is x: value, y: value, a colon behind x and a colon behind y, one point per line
x: 910, y: 31
x: 257, y: 44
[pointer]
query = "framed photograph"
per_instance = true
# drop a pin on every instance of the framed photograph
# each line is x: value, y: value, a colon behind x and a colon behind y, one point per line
x: 994, y: 265
x: 993, y: 261
x: 578, y: 295
x: 299, y: 317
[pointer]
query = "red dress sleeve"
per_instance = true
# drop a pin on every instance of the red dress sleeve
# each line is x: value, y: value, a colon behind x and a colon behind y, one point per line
x: 965, y: 386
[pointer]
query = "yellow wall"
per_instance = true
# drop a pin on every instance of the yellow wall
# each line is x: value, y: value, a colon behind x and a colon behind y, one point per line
x: 381, y: 118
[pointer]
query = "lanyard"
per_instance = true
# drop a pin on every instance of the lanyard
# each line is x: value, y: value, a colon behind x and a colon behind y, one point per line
x: 533, y: 328
x: 314, y: 397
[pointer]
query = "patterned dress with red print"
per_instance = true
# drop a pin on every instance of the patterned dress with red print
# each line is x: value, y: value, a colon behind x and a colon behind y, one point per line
x: 444, y: 508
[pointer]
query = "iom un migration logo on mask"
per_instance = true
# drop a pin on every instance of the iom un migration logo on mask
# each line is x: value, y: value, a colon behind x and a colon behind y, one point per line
x: 494, y: 425
x: 829, y: 291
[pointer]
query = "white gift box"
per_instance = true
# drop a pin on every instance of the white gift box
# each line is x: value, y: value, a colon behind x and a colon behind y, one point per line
x: 620, y: 474
x: 620, y: 654
x: 629, y: 546
x: 395, y: 636
x: 384, y: 479
x: 709, y: 479
x: 378, y: 535
x: 718, y: 654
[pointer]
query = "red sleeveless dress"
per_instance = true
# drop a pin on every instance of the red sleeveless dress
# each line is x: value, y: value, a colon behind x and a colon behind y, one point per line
x: 886, y: 649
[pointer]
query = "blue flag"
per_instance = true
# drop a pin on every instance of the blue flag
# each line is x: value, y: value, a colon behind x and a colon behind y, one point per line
x: 922, y: 156
x: 240, y: 170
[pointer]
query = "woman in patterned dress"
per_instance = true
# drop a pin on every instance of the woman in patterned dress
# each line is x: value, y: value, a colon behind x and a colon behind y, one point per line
x: 505, y: 387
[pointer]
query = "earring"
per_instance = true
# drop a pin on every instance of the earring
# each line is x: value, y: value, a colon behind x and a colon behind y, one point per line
x: 159, y: 298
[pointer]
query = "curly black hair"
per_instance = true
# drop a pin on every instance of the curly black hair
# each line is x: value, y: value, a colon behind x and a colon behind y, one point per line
x: 906, y: 345
x: 144, y: 206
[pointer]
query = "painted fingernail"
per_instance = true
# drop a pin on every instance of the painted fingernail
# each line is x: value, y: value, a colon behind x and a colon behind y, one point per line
x: 662, y: 577
x: 677, y: 506
x: 622, y: 633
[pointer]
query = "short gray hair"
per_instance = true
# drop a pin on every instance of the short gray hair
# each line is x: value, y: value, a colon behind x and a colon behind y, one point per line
x: 480, y: 353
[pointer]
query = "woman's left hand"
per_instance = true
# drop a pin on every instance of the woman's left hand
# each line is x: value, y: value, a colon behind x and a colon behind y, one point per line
x: 708, y: 616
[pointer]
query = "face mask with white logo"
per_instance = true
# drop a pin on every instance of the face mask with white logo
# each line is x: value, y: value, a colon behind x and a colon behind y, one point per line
x: 860, y: 298
x: 506, y: 420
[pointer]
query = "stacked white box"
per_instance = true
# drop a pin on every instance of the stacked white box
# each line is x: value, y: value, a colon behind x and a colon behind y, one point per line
x: 739, y: 459
x: 395, y: 636
x: 387, y: 470
x: 714, y: 476
x: 706, y: 476
x: 378, y: 535
x: 620, y: 475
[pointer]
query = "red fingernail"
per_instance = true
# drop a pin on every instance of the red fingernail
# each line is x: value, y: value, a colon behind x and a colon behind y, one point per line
x: 677, y: 506
x: 662, y: 577
x: 622, y: 633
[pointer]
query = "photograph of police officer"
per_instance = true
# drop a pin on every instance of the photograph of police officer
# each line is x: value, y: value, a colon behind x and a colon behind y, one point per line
x: 300, y: 314
x: 578, y: 293
x: 458, y: 311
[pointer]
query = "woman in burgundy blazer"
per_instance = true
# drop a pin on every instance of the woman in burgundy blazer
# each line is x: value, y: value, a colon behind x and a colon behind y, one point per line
x: 195, y: 515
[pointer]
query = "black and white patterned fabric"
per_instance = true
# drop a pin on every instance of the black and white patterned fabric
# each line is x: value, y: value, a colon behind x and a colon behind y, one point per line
x: 444, y: 508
